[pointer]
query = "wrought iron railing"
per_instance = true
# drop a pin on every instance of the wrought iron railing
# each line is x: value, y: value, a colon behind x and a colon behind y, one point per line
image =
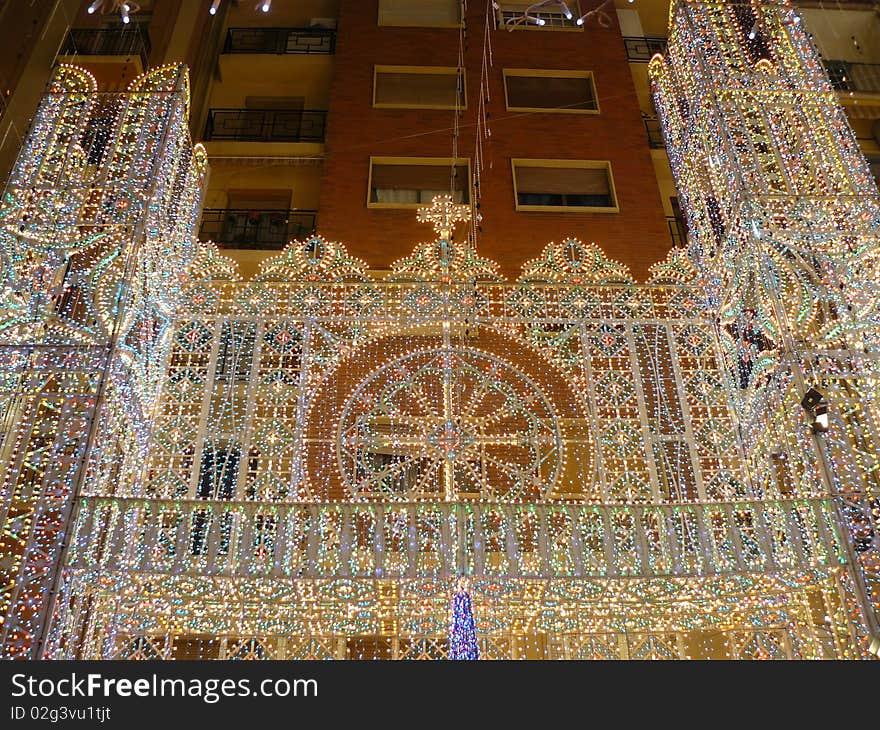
x: 654, y: 132
x: 266, y: 125
x: 848, y: 76
x: 641, y: 49
x: 513, y: 18
x: 265, y: 229
x: 107, y: 42
x: 280, y: 40
x: 409, y: 540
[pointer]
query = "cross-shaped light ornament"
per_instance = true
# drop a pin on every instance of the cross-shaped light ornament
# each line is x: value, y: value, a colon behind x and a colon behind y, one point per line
x: 443, y: 213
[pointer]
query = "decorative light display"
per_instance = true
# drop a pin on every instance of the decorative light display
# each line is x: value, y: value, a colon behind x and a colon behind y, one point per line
x: 462, y: 634
x: 783, y: 217
x: 96, y: 228
x: 302, y: 465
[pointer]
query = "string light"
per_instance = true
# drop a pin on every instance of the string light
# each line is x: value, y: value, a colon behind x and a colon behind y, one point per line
x: 304, y: 464
x: 798, y: 305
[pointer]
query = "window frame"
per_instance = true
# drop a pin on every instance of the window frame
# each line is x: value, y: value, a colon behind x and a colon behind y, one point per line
x: 555, y: 164
x: 553, y: 74
x: 419, y: 71
x: 380, y: 24
x: 523, y: 5
x: 410, y: 161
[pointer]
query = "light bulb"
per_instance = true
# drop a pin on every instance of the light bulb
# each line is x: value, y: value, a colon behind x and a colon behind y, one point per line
x: 266, y: 5
x: 539, y: 21
x: 579, y: 21
x: 214, y: 7
x: 93, y: 7
x: 568, y: 14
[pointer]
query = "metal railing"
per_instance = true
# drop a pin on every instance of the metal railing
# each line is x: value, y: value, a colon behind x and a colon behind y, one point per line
x: 410, y: 540
x: 677, y: 231
x: 266, y: 125
x: 106, y: 42
x: 654, y: 132
x: 848, y: 76
x: 263, y: 229
x: 641, y: 49
x: 513, y: 18
x: 280, y: 40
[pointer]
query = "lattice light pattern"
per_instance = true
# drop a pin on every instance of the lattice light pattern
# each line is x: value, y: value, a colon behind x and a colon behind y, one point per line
x: 783, y: 218
x: 96, y: 233
x: 315, y: 456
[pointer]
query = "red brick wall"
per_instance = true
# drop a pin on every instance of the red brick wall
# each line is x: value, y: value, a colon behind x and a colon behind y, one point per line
x: 637, y: 235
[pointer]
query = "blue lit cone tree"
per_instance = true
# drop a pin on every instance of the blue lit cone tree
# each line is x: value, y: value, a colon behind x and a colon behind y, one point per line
x: 462, y: 633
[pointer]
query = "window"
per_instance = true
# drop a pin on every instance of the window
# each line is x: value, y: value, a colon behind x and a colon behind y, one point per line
x: 511, y: 16
x: 421, y: 87
x: 571, y: 185
x: 408, y: 182
x: 550, y: 91
x: 420, y: 13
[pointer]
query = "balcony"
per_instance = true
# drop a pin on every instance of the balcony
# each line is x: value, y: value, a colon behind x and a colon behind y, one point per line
x: 848, y: 76
x: 654, y: 132
x: 642, y: 49
x: 266, y: 125
x: 243, y: 539
x: 259, y: 229
x: 280, y: 40
x: 110, y: 42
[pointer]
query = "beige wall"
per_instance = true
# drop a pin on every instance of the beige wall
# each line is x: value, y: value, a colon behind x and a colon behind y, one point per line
x: 833, y: 32
x: 303, y: 180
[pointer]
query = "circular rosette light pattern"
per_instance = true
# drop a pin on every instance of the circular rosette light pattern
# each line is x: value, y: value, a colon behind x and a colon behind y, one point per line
x: 449, y: 423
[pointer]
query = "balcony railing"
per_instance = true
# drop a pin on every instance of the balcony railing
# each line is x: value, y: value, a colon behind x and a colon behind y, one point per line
x: 106, y: 42
x: 280, y: 40
x: 677, y: 231
x: 199, y: 537
x: 266, y: 125
x: 642, y: 49
x: 847, y: 76
x: 264, y: 229
x: 514, y: 18
x: 654, y: 132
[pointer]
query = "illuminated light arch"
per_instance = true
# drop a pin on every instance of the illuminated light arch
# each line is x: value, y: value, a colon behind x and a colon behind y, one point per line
x: 445, y: 261
x: 167, y: 78
x: 676, y: 268
x: 575, y: 263
x: 312, y: 260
